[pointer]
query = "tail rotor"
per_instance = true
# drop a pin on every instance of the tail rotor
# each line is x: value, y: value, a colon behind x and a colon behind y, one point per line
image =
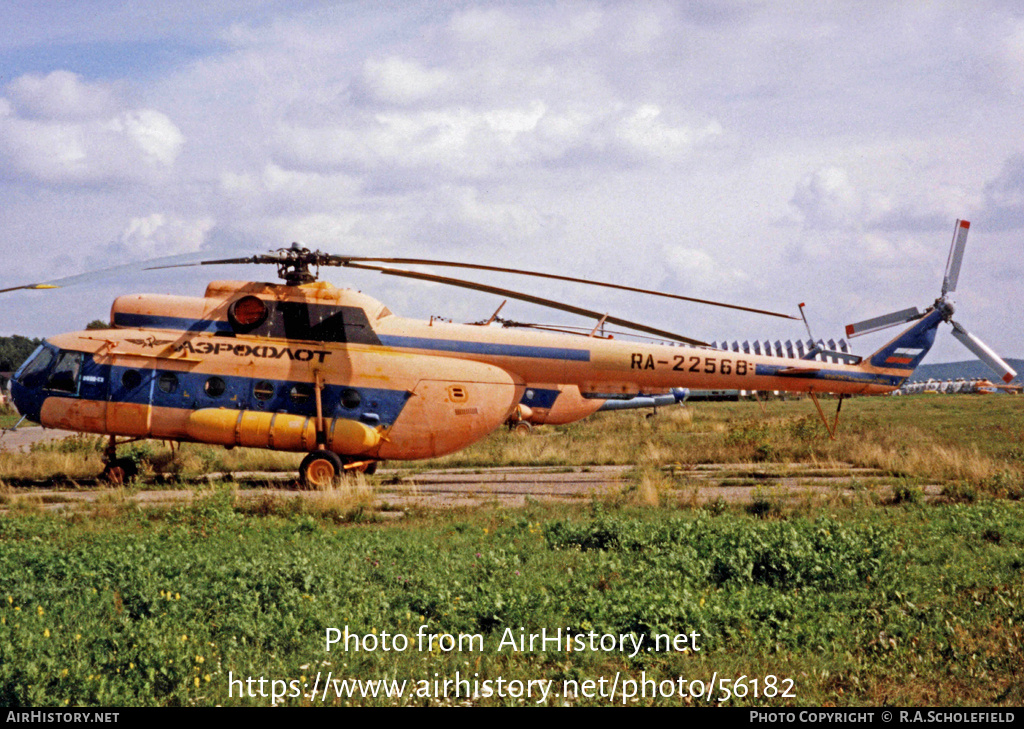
x: 944, y: 307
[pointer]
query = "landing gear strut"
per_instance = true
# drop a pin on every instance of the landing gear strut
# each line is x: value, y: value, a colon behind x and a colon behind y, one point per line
x: 835, y: 423
x: 118, y: 471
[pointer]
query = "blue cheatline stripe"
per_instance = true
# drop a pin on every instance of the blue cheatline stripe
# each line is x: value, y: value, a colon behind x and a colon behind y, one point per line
x: 107, y: 382
x: 486, y: 348
x: 868, y: 378
x: 181, y: 324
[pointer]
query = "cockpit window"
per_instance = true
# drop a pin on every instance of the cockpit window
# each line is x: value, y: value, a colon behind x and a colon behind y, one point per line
x: 64, y: 377
x: 38, y: 362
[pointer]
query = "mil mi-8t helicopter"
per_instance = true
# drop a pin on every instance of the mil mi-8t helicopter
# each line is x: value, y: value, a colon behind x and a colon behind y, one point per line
x: 304, y: 366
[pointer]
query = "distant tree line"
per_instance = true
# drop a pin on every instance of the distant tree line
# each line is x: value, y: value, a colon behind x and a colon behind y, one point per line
x: 14, y: 350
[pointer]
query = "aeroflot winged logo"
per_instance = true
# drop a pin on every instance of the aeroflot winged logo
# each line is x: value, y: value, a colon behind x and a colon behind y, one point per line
x: 150, y: 342
x: 263, y: 351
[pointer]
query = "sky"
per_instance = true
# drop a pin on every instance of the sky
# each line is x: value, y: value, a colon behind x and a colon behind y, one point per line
x: 762, y: 154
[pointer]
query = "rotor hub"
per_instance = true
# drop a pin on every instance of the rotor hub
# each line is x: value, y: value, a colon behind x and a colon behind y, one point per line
x: 944, y: 305
x: 293, y: 264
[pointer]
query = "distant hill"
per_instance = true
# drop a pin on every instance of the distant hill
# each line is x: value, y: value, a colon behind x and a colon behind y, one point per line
x: 967, y: 370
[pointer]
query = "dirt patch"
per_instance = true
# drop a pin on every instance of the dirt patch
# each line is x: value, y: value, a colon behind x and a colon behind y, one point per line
x: 22, y: 438
x: 397, y: 490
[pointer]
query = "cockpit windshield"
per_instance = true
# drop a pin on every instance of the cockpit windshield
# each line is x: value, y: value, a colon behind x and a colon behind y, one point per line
x: 39, y: 361
x: 51, y: 369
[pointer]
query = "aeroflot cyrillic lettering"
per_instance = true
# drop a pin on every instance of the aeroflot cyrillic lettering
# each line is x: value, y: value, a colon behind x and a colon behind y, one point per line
x: 265, y: 351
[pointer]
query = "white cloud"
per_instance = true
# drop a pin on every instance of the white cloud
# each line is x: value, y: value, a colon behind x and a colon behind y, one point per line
x: 644, y: 131
x: 153, y: 133
x: 59, y: 95
x: 471, y: 143
x: 160, y: 234
x: 826, y: 199
x: 398, y: 81
x: 700, y: 270
x: 58, y: 129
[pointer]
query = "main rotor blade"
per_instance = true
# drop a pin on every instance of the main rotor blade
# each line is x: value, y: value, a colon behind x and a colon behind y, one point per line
x: 345, y: 261
x: 983, y: 352
x: 956, y: 256
x: 882, y: 322
x: 102, y: 273
x: 551, y: 304
x: 220, y: 262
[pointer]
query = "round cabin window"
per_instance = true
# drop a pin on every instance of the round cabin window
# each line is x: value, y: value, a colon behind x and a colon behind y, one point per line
x: 263, y: 390
x: 168, y: 382
x: 350, y: 398
x: 301, y: 393
x: 131, y: 379
x: 214, y: 387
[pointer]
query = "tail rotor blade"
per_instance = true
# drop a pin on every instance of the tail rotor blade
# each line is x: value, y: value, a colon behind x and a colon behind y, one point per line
x: 956, y: 256
x: 984, y: 353
x: 882, y: 322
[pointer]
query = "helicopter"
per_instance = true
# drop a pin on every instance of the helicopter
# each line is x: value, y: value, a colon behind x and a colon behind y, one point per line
x: 304, y: 366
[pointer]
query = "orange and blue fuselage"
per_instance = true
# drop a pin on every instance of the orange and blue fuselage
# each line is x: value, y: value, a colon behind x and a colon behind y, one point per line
x: 302, y: 367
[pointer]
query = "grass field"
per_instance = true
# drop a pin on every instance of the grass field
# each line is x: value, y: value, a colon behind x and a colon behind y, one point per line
x: 867, y: 601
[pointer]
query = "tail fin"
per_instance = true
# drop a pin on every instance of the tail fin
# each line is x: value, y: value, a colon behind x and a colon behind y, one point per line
x: 905, y: 352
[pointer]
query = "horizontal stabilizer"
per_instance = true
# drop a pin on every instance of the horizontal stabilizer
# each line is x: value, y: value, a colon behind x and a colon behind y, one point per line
x: 882, y: 322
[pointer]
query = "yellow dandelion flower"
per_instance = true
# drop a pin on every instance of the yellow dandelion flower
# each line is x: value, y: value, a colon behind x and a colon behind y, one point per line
x: 200, y: 659
x: 64, y: 672
x: 197, y: 681
x: 184, y: 638
x: 177, y: 596
x: 46, y: 633
x: 207, y: 678
x: 39, y: 610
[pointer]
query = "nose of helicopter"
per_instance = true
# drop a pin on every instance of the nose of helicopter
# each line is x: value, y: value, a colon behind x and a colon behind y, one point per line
x: 24, y: 400
x: 25, y: 393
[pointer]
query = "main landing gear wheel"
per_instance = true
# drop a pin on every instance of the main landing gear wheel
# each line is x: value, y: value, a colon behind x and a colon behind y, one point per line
x: 120, y: 471
x: 319, y: 470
